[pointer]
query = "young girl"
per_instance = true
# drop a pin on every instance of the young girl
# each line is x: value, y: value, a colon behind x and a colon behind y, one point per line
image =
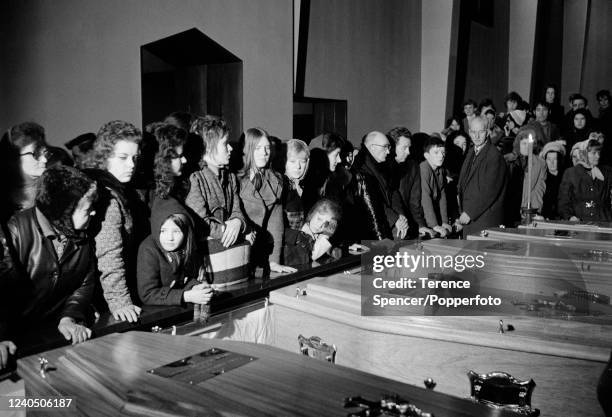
x: 260, y: 193
x: 168, y: 260
x: 311, y: 242
x: 295, y: 170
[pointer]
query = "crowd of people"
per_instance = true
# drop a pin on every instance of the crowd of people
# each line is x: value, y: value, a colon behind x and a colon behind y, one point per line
x: 168, y: 215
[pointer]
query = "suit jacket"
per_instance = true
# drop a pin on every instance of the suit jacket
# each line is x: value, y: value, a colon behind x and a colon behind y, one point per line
x: 482, y: 187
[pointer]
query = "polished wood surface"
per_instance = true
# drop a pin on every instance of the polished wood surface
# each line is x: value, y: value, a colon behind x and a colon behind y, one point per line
x: 108, y: 376
x: 164, y: 316
x: 560, y: 237
x: 563, y: 357
x: 533, y: 270
x: 599, y: 227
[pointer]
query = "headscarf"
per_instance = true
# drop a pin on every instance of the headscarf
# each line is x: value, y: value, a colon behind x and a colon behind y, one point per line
x: 582, y: 149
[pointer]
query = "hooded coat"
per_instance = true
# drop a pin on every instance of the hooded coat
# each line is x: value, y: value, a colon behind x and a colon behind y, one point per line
x: 160, y: 280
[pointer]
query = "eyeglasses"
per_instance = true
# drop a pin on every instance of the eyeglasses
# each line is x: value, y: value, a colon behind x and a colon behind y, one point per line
x: 387, y: 146
x: 38, y: 153
x: 477, y: 132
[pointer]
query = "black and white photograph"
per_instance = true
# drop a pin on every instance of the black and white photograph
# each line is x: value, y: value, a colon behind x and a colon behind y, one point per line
x: 245, y: 208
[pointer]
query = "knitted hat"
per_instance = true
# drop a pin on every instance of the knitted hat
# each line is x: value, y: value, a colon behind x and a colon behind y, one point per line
x: 556, y: 146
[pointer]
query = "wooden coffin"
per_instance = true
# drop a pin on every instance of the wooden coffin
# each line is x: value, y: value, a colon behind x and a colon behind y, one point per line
x: 564, y: 358
x: 558, y: 237
x: 120, y: 374
x: 599, y: 227
x: 536, y: 270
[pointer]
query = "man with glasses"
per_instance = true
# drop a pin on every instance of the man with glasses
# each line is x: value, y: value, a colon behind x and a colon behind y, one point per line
x: 482, y: 183
x: 380, y: 204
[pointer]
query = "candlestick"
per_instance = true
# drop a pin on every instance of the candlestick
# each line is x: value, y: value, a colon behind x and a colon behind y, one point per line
x: 529, y: 160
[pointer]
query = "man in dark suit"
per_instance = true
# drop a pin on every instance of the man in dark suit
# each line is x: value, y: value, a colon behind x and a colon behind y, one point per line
x: 482, y: 182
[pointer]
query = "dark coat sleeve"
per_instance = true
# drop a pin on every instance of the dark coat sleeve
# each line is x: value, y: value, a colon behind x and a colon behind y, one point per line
x: 566, y: 195
x: 150, y: 287
x: 410, y: 191
x: 8, y: 281
x: 78, y: 303
x: 490, y: 181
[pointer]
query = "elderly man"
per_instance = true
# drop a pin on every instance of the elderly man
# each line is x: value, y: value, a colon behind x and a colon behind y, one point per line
x: 482, y: 182
x: 377, y: 202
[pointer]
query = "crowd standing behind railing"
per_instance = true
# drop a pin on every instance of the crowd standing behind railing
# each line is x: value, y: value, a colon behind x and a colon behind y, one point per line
x: 168, y: 217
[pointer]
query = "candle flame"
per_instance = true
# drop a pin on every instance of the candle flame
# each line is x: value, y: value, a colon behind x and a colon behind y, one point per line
x: 530, y: 138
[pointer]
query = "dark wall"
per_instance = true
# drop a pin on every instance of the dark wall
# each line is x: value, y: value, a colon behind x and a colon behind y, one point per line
x: 72, y: 65
x: 597, y: 69
x: 368, y: 54
x: 548, y: 51
x: 487, y: 57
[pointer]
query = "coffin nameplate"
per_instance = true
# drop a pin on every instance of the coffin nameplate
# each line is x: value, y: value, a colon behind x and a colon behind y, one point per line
x: 202, y: 366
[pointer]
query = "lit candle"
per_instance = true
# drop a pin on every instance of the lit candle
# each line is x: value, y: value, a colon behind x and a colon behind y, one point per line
x: 529, y: 160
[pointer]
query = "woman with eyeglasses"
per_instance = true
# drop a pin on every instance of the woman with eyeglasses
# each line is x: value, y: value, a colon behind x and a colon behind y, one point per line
x: 261, y: 190
x: 23, y: 159
x: 122, y: 220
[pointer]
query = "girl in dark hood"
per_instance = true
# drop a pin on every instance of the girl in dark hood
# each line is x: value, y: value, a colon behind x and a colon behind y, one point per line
x: 169, y: 262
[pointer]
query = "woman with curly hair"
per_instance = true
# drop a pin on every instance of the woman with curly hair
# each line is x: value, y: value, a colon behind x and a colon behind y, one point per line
x: 261, y: 189
x: 169, y: 162
x: 120, y: 223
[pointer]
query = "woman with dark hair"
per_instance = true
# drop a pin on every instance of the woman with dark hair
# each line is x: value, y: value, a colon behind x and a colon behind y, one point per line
x: 261, y: 189
x: 324, y: 160
x: 23, y: 159
x: 584, y: 193
x: 169, y: 163
x: 553, y: 155
x: 556, y: 111
x: 579, y: 130
x: 54, y: 263
x: 120, y: 224
x: 454, y: 124
x: 514, y: 120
